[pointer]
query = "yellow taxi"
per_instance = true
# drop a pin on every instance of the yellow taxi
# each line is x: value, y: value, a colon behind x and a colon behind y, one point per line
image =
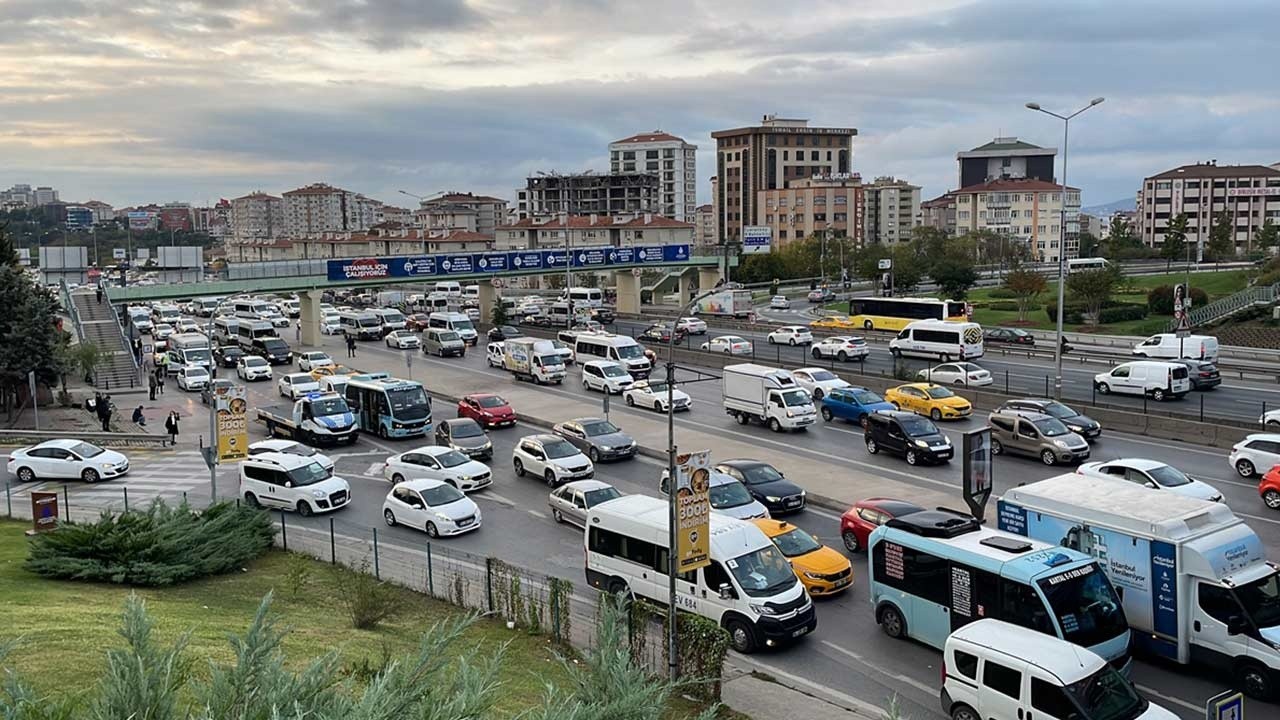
x: 935, y: 401
x: 821, y: 570
x: 832, y: 322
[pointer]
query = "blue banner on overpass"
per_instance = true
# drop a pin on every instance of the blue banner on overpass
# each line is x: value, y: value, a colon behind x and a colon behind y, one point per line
x: 419, y: 266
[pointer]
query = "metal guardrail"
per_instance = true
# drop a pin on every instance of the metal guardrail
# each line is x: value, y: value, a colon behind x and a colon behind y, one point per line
x: 1232, y: 304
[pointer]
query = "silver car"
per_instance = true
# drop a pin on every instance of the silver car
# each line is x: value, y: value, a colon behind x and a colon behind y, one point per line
x: 571, y: 501
x: 598, y: 438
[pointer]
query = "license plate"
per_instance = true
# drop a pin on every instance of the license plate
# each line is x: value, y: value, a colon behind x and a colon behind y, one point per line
x: 799, y: 632
x: 793, y: 503
x: 463, y: 523
x: 946, y: 454
x: 843, y: 581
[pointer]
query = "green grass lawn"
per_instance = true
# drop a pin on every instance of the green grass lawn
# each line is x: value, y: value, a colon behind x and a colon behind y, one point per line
x: 68, y: 626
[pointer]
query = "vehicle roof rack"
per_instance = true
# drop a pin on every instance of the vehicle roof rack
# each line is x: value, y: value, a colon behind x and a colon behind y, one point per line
x: 940, y: 523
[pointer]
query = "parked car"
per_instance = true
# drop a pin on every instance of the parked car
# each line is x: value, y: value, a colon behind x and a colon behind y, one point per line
x: 1023, y: 432
x: 1011, y: 336
x: 290, y: 447
x: 402, y: 340
x: 653, y: 394
x: 928, y: 399
x: 490, y: 410
x: 1076, y: 422
x: 504, y: 332
x: 598, y: 438
x: 957, y: 373
x: 866, y: 515
x: 1255, y: 453
x: 435, y: 507
x: 779, y: 302
x: 66, y: 459
x: 766, y: 484
x: 314, y: 360
x: 1203, y: 374
x: 437, y: 462
x: 228, y: 356
x: 466, y: 436
x: 551, y: 458
x: 916, y: 439
x: 570, y: 502
x: 253, y: 367
x: 692, y: 325
x: 853, y: 404
x: 842, y: 348
x: 822, y: 571
x: 728, y: 344
x: 791, y: 335
x: 818, y: 381
x: 1152, y: 474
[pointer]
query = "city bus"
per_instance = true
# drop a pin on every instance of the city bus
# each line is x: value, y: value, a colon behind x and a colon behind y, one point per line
x: 876, y: 313
x: 389, y: 407
x: 934, y: 571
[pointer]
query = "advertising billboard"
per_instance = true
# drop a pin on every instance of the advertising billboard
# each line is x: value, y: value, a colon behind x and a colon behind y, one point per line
x: 139, y: 220
x: 756, y: 239
x: 232, y: 423
x: 693, y: 510
x: 418, y: 266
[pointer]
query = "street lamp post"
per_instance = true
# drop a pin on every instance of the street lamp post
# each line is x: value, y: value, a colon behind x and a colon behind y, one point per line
x: 1062, y: 236
x: 568, y: 263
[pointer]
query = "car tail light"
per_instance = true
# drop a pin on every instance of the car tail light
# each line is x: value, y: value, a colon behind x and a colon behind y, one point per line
x: 1204, y: 374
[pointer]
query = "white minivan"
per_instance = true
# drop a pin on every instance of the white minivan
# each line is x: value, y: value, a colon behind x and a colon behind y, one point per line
x: 939, y: 339
x: 1169, y: 345
x: 994, y: 670
x: 449, y: 287
x: 748, y: 588
x: 455, y: 321
x: 1160, y: 380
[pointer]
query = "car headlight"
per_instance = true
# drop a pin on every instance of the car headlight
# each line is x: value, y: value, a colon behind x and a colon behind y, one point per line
x: 442, y: 516
x: 790, y: 414
x: 1075, y: 428
x: 318, y: 494
x: 812, y: 576
x: 773, y: 498
x: 106, y: 466
x: 922, y: 444
x: 1061, y: 443
x: 762, y: 609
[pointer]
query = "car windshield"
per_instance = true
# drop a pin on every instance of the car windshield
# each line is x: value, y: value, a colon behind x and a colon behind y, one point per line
x: 1261, y: 600
x: 86, y: 450
x: 822, y: 375
x: 466, y: 430
x: 1106, y: 695
x: 1051, y: 427
x: 795, y: 398
x: 757, y: 474
x: 559, y: 449
x: 448, y: 337
x: 917, y: 426
x: 254, y: 362
x: 329, y: 406
x: 939, y: 393
x: 602, y: 427
x: 630, y: 352
x: 1168, y: 477
x: 196, y: 372
x: 729, y: 495
x: 441, y: 495
x: 796, y: 543
x: 1085, y: 605
x: 491, y: 401
x: 613, y: 371
x: 763, y: 573
x: 605, y: 494
x: 308, y: 474
x: 1058, y: 410
x: 275, y: 346
x: 453, y: 458
x: 409, y: 403
x: 866, y: 397
x: 369, y: 322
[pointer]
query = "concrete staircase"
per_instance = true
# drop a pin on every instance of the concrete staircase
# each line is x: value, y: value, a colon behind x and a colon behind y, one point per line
x: 97, y: 324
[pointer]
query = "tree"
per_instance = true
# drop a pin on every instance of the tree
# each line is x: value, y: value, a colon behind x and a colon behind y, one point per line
x: 499, y: 314
x: 1089, y: 245
x: 8, y: 254
x: 1026, y: 286
x: 908, y: 270
x: 1175, y: 240
x: 1222, y: 242
x: 1120, y: 238
x: 1092, y: 288
x: 954, y: 273
x: 1267, y: 236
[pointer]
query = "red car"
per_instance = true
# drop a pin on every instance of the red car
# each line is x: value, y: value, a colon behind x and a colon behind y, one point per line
x: 487, y: 409
x: 1269, y: 488
x: 867, y: 515
x: 416, y: 322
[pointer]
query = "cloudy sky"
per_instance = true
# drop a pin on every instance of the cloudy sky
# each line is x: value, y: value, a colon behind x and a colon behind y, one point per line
x: 133, y: 101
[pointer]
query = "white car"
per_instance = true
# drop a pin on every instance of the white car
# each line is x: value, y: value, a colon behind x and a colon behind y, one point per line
x: 433, y: 506
x: 193, y: 377
x: 551, y: 458
x: 1152, y: 474
x: 692, y: 325
x: 291, y: 447
x: 779, y: 302
x: 402, y: 340
x: 315, y: 360
x: 296, y: 385
x: 957, y: 373
x: 818, y: 382
x: 253, y: 367
x: 729, y: 344
x: 1256, y: 454
x: 791, y: 335
x: 281, y: 480
x: 653, y: 394
x: 162, y: 331
x: 605, y: 376
x: 188, y: 326
x: 728, y: 495
x: 437, y: 462
x: 1270, y: 419
x: 331, y: 325
x: 493, y: 354
x: 842, y: 348
x: 66, y: 459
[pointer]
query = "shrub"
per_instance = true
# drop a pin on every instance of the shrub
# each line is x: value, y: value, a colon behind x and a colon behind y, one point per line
x: 1160, y: 299
x: 367, y: 600
x: 1072, y: 313
x: 1122, y: 313
x: 1002, y: 293
x: 1011, y: 306
x: 161, y: 545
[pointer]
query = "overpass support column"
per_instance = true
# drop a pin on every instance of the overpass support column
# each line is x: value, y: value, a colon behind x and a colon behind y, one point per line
x: 628, y: 292
x: 707, y: 278
x: 684, y: 288
x: 309, y: 304
x: 488, y: 299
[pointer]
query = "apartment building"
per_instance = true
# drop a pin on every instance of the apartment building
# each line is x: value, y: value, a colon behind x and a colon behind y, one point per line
x: 44, y: 195
x: 376, y: 242
x: 892, y: 210
x: 811, y: 206
x: 588, y: 193
x: 256, y: 218
x: 1006, y: 158
x: 322, y: 208
x: 102, y: 212
x: 939, y: 213
x: 1026, y: 210
x: 462, y: 211
x: 704, y: 225
x: 593, y: 231
x: 771, y: 156
x: 672, y: 159
x: 1250, y: 193
x: 18, y: 196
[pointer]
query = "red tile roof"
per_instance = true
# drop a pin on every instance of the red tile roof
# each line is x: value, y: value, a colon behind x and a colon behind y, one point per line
x: 601, y: 221
x: 1018, y: 184
x: 655, y: 136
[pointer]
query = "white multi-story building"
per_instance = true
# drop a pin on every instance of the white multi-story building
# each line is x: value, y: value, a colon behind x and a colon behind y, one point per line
x: 18, y: 196
x: 257, y: 218
x: 705, y: 225
x: 1250, y: 193
x: 45, y: 195
x: 672, y: 159
x: 322, y: 208
x: 1026, y: 210
x: 892, y: 210
x: 462, y: 211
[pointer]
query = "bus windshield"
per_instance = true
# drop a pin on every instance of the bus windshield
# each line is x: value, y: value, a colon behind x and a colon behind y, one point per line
x: 1085, y: 605
x: 763, y: 573
x: 409, y: 403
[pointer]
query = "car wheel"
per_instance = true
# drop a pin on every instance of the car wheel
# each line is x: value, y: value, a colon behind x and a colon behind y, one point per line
x: 432, y: 532
x: 1245, y: 468
x: 1104, y: 388
x: 774, y: 425
x: 892, y: 622
x: 913, y: 458
x: 964, y: 712
x: 935, y: 414
x: 771, y: 340
x: 550, y: 478
x: 252, y: 500
x: 618, y: 588
x: 1158, y: 395
x: 555, y: 515
x: 397, y: 479
x: 741, y: 636
x: 817, y: 354
x: 389, y: 517
x: 851, y: 541
x: 594, y: 455
x: 742, y: 418
x: 1048, y: 458
x: 90, y: 475
x: 519, y: 466
x: 996, y: 447
x: 26, y: 475
x: 945, y: 358
x: 895, y: 405
x: 1272, y: 499
x: 872, y: 447
x: 792, y: 342
x: 842, y: 356
x: 826, y: 413
x: 304, y: 508
x: 585, y: 386
x: 630, y: 402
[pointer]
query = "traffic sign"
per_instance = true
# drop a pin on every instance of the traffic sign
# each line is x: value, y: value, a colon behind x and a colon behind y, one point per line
x: 1228, y: 705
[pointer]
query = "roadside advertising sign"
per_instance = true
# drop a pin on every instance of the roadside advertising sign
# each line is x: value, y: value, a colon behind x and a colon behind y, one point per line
x: 44, y: 511
x: 232, y: 424
x: 977, y: 470
x: 756, y: 239
x: 693, y: 510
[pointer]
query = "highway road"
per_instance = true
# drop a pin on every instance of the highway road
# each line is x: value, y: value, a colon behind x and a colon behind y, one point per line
x: 847, y: 658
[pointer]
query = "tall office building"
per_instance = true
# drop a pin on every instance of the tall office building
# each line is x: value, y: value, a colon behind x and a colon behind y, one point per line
x: 1250, y: 193
x: 672, y: 159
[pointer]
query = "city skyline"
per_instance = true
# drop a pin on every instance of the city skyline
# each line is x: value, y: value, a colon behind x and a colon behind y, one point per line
x: 133, y: 103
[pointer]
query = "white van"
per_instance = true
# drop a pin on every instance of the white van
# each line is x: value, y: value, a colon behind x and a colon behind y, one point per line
x: 249, y: 330
x: 471, y: 292
x: 1169, y: 345
x: 449, y: 287
x: 1160, y: 380
x: 583, y: 296
x: 619, y: 348
x: 225, y: 330
x: 626, y: 548
x: 994, y: 670
x: 391, y: 319
x: 939, y: 338
x: 361, y: 325
x: 254, y: 308
x: 458, y: 322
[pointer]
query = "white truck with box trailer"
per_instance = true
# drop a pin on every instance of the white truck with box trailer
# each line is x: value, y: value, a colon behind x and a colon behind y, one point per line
x: 768, y: 395
x: 725, y: 303
x: 1195, y: 584
x: 533, y: 359
x: 319, y: 418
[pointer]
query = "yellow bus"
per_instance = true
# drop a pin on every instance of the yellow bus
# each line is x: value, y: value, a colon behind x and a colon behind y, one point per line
x: 879, y: 313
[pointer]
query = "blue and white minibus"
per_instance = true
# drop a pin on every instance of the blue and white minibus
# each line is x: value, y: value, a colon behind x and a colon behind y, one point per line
x: 389, y: 407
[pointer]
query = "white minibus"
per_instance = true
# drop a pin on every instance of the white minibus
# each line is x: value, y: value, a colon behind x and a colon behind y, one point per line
x: 619, y: 348
x: 940, y: 339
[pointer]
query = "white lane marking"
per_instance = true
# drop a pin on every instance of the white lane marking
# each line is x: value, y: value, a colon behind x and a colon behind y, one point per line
x: 927, y: 689
x: 822, y: 513
x: 1176, y: 701
x: 494, y: 497
x: 1259, y: 518
x: 538, y: 514
x: 373, y: 470
x: 822, y: 692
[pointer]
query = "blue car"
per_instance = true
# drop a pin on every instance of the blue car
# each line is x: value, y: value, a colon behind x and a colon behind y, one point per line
x: 853, y: 404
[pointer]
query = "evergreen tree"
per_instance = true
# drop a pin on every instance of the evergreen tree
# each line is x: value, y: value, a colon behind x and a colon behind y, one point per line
x: 1089, y: 245
x: 1222, y: 243
x: 1267, y: 236
x: 8, y: 254
x: 1175, y: 240
x: 1120, y: 238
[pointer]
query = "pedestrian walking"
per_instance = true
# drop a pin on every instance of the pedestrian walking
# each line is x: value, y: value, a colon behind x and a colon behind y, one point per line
x: 351, y: 346
x: 171, y: 427
x: 297, y: 333
x: 98, y: 292
x: 137, y: 349
x: 138, y: 418
x: 160, y: 383
x: 152, y: 383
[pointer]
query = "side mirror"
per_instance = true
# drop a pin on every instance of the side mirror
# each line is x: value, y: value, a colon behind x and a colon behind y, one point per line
x: 726, y: 592
x: 1150, y: 484
x: 288, y: 484
x: 1237, y: 625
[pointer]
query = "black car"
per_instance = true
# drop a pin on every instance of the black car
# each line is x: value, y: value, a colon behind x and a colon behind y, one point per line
x: 1204, y: 375
x: 504, y: 332
x: 1013, y: 336
x: 661, y: 333
x: 275, y: 350
x: 228, y: 355
x: 913, y: 437
x: 1076, y: 422
x: 766, y: 484
x: 466, y: 436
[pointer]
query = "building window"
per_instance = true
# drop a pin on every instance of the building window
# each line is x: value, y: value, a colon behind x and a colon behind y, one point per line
x: 768, y: 219
x: 842, y: 200
x: 782, y: 234
x: 841, y: 217
x: 962, y: 214
x: 813, y: 155
x: 1040, y: 229
x: 820, y: 200
x: 1026, y: 230
x: 820, y: 217
x: 628, y: 155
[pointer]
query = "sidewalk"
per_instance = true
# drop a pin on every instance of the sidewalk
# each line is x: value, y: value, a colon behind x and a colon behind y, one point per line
x: 760, y: 698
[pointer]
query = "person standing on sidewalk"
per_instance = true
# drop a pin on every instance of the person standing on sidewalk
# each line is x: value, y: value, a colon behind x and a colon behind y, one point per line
x: 351, y: 346
x: 160, y: 381
x: 103, y: 409
x: 297, y: 333
x: 171, y: 427
x: 98, y: 292
x: 152, y: 384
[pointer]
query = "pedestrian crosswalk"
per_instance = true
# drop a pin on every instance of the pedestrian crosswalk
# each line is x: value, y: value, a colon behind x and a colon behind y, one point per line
x: 172, y: 476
